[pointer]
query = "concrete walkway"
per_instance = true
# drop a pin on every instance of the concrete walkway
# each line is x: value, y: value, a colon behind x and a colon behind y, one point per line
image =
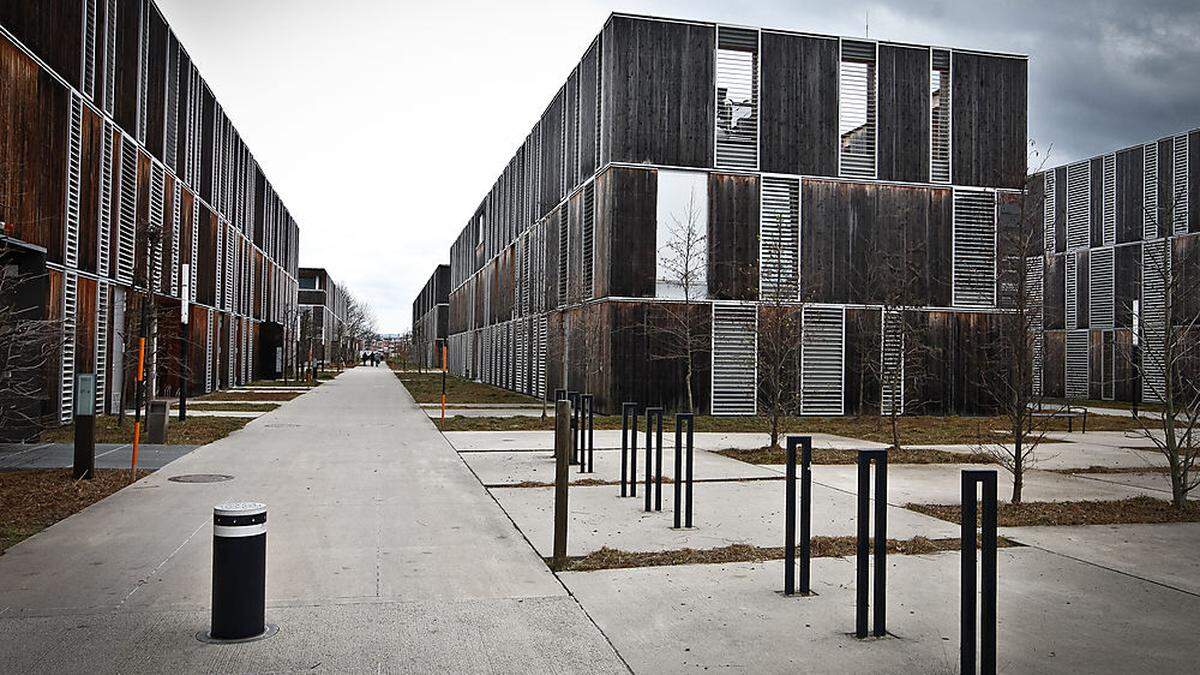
x: 384, y: 553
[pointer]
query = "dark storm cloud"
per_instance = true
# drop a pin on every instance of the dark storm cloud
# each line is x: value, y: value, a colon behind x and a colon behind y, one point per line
x: 1103, y: 74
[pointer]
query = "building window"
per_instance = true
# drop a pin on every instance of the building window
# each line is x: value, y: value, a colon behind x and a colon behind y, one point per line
x: 939, y: 116
x: 681, y: 271
x: 856, y: 109
x: 737, y: 98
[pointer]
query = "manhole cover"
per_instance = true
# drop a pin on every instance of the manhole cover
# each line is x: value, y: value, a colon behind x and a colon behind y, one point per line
x: 200, y: 478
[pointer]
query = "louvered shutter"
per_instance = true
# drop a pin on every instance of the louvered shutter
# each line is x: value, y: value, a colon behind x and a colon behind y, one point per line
x: 974, y: 248
x: 74, y: 178
x: 1077, y: 364
x: 588, y: 242
x: 1101, y: 290
x: 128, y: 212
x: 1049, y: 210
x: 779, y: 238
x: 737, y: 98
x: 822, y: 369
x: 1150, y: 191
x: 734, y: 359
x: 1180, y: 179
x: 856, y: 109
x: 1156, y: 271
x: 940, y: 116
x: 1109, y: 200
x: 69, y: 307
x: 105, y: 187
x: 891, y: 361
x: 1069, y: 294
x: 1034, y: 276
x: 1079, y: 205
x: 102, y: 304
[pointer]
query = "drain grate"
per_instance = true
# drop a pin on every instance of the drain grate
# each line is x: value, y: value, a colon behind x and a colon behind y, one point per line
x: 200, y: 478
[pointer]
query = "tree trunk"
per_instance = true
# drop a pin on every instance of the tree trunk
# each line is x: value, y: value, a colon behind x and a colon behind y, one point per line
x: 1018, y: 465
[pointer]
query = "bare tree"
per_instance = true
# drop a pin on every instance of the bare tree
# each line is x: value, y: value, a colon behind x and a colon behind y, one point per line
x: 1166, y: 355
x: 683, y: 261
x: 29, y: 345
x: 1010, y: 369
x: 779, y: 335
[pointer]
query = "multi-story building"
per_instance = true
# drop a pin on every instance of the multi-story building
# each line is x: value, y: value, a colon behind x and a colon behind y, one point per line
x: 802, y: 160
x: 116, y: 159
x: 431, y: 316
x: 323, y: 336
x: 1121, y: 237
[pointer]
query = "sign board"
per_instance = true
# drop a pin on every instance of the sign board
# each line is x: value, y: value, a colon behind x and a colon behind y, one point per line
x: 85, y: 394
x: 186, y: 274
x: 279, y: 359
x: 1137, y: 322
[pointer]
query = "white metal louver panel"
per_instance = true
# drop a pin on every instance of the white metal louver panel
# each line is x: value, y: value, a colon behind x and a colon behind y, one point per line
x: 940, y: 115
x: 542, y: 329
x: 157, y: 204
x: 171, y: 126
x: 734, y: 359
x: 74, y: 178
x: 208, y: 354
x: 143, y: 70
x: 128, y: 212
x: 101, y: 358
x: 779, y: 238
x: 105, y: 194
x: 1101, y: 288
x: 1156, y: 272
x: 1077, y: 365
x: 1179, y: 216
x: 974, y: 248
x: 564, y: 250
x: 1079, y: 206
x: 737, y: 98
x: 522, y: 354
x: 1049, y: 207
x: 588, y: 240
x: 1150, y: 191
x: 1069, y: 294
x: 1109, y: 200
x: 231, y: 354
x: 856, y: 109
x: 69, y: 307
x: 891, y: 362
x: 194, y: 265
x: 110, y: 56
x: 822, y: 359
x: 1034, y: 276
x: 89, y: 48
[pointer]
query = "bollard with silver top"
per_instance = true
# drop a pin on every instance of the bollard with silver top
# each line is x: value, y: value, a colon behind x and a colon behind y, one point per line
x: 239, y: 582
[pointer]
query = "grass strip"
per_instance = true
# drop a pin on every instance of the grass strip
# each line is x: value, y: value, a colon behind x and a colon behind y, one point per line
x: 33, y: 499
x: 822, y: 547
x: 250, y: 396
x: 775, y: 455
x: 427, y: 388
x: 1135, y: 510
x: 195, y: 430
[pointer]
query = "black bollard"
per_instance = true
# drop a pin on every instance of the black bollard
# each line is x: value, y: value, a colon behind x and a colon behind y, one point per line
x: 651, y: 414
x: 806, y: 515
x: 589, y: 419
x: 879, y: 624
x: 562, y: 451
x: 987, y: 619
x: 627, y: 409
x: 560, y: 395
x: 691, y: 457
x: 573, y: 397
x: 84, y: 465
x: 633, y: 436
x: 789, y: 518
x: 239, y: 574
x: 680, y: 418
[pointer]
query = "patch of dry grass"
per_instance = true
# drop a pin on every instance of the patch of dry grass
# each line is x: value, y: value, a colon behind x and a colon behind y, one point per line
x: 265, y: 384
x: 427, y: 388
x: 33, y: 499
x: 234, y: 406
x: 250, y: 396
x: 1114, y: 469
x: 1137, y: 510
x: 774, y: 455
x: 822, y: 547
x: 195, y: 430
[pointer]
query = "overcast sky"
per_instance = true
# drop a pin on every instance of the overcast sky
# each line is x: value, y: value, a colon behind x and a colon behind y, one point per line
x: 382, y: 124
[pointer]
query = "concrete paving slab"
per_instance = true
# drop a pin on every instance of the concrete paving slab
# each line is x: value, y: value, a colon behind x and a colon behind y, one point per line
x: 508, y: 468
x: 368, y: 503
x: 725, y: 513
x: 1158, y: 483
x: 108, y: 455
x: 941, y: 484
x: 486, y: 441
x: 1081, y: 454
x: 1164, y: 553
x: 1056, y: 615
x: 436, y: 413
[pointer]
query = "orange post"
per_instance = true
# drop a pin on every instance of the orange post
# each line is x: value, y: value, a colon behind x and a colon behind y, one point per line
x: 137, y: 424
x: 443, y: 383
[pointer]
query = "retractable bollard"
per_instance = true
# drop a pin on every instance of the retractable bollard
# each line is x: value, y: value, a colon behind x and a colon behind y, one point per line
x: 789, y: 540
x: 680, y: 476
x: 627, y: 412
x: 879, y: 616
x: 633, y: 436
x: 651, y: 454
x: 987, y: 600
x: 562, y: 450
x: 573, y: 398
x: 587, y: 434
x: 239, y: 581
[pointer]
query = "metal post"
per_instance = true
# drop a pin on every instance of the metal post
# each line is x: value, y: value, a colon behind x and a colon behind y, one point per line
x: 562, y: 450
x: 591, y: 433
x: 633, y: 436
x: 573, y: 398
x: 658, y: 463
x: 805, y: 514
x: 987, y: 618
x: 879, y: 625
x: 239, y: 573
x: 651, y: 453
x: 678, y: 465
x: 85, y: 426
x: 789, y: 518
x: 691, y: 456
x: 626, y: 410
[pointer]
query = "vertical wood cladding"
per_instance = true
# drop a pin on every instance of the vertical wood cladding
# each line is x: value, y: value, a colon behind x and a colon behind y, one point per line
x: 862, y: 390
x: 1127, y: 268
x: 1082, y: 288
x: 650, y: 372
x: 551, y: 128
x: 659, y: 96
x: 733, y: 236
x: 1096, y: 201
x: 1060, y: 209
x: 1129, y: 195
x: 574, y: 208
x: 1054, y: 360
x: 52, y: 29
x: 156, y: 84
x: 798, y: 115
x: 128, y: 80
x: 589, y: 81
x: 989, y: 120
x: 949, y: 376
x: 33, y: 149
x: 89, y: 193
x: 1054, y: 284
x: 903, y: 114
x: 844, y: 226
x: 1186, y: 263
x: 625, y: 233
